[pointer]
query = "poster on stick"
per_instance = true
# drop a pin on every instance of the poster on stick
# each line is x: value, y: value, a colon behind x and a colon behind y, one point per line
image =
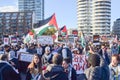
x: 45, y: 40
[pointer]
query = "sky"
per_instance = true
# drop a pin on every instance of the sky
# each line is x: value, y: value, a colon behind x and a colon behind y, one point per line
x: 65, y: 10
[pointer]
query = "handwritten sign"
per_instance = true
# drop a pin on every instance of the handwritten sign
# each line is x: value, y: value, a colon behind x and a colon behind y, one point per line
x: 79, y: 63
x: 45, y: 40
x: 25, y: 57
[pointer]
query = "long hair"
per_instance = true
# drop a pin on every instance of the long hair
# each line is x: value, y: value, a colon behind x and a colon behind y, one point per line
x: 32, y: 64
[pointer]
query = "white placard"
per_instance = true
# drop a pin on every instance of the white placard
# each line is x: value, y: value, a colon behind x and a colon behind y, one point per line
x: 71, y: 39
x: 45, y: 40
x: 26, y: 57
x: 6, y: 41
x: 79, y: 63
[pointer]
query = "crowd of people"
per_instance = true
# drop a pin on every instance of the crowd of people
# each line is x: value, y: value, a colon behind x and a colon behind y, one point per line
x: 60, y: 61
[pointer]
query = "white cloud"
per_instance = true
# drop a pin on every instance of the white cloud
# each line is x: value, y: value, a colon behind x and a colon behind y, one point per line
x: 8, y: 9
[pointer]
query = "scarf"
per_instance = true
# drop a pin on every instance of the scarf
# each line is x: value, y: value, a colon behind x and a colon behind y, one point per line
x: 48, y: 56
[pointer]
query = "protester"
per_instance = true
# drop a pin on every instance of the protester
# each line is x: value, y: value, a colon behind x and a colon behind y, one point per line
x: 66, y: 53
x: 114, y: 68
x: 39, y: 49
x: 1, y: 50
x: 119, y: 48
x: 114, y: 48
x: 7, y: 71
x: 11, y: 53
x: 80, y: 48
x: 55, y: 71
x: 47, y: 57
x: 32, y: 49
x: 98, y: 69
x: 34, y: 71
x: 54, y: 50
x: 103, y: 53
x: 23, y: 48
x: 71, y: 72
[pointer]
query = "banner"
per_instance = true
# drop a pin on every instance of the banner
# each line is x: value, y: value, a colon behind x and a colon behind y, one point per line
x: 45, y: 40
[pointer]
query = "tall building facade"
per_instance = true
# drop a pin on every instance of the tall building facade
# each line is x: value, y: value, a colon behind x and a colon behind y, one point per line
x: 37, y: 6
x: 116, y: 27
x: 101, y: 17
x: 84, y: 16
x: 94, y: 16
x: 12, y: 22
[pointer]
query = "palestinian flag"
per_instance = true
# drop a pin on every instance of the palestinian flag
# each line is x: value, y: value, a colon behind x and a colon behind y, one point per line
x: 46, y: 25
x: 29, y: 37
x: 82, y: 39
x: 63, y: 31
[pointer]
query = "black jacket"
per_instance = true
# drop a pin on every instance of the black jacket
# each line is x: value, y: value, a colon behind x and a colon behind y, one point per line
x: 106, y: 56
x: 29, y: 76
x: 55, y: 72
x: 74, y: 75
x: 7, y: 72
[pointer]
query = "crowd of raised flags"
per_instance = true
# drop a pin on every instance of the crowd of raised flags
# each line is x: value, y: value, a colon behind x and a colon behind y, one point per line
x: 81, y: 58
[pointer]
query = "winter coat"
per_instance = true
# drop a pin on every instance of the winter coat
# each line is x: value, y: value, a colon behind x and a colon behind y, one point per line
x: 7, y: 72
x: 93, y: 73
x: 74, y: 75
x: 99, y: 72
x: 55, y: 72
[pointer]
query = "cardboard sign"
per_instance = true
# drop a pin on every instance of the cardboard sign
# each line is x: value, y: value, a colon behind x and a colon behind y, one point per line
x: 79, y: 63
x: 25, y: 57
x: 45, y: 40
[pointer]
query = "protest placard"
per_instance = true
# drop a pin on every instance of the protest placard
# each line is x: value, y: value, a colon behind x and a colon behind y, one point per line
x: 79, y: 63
x: 45, y: 40
x: 25, y: 57
x: 6, y: 40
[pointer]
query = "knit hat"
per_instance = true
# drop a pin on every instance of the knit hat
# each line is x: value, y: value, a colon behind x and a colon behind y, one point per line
x: 94, y: 60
